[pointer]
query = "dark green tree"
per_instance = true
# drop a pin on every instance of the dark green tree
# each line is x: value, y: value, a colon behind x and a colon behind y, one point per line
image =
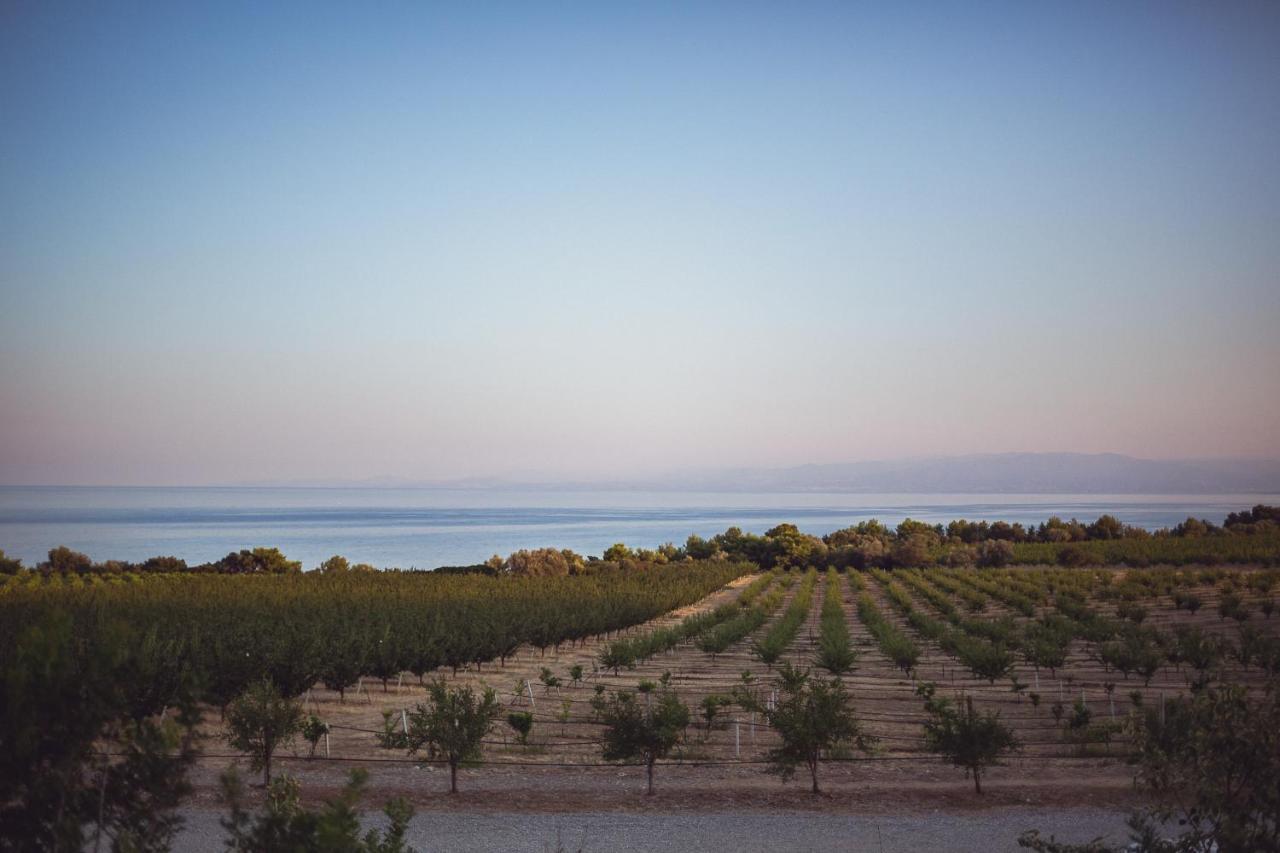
x: 75, y: 764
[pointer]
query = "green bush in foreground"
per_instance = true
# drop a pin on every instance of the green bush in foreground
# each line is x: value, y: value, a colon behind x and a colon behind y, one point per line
x: 81, y: 761
x: 285, y: 825
x: 1213, y: 761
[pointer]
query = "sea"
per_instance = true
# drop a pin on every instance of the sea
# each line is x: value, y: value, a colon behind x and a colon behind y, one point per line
x: 429, y: 527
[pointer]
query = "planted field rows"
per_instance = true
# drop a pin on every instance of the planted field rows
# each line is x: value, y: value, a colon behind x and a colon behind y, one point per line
x: 1044, y: 647
x: 783, y: 620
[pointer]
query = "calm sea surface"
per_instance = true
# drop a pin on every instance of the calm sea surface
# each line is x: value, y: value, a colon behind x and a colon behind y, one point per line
x: 433, y: 527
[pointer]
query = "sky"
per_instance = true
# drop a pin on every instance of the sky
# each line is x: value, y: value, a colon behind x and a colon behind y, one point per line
x: 255, y: 241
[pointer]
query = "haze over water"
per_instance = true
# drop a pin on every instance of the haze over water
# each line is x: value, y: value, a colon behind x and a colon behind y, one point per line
x: 426, y: 528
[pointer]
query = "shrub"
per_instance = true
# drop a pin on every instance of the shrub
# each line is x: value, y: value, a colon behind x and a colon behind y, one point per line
x: 312, y: 731
x: 522, y: 723
x: 711, y: 705
x: 1073, y: 557
x: 912, y: 551
x: 1132, y: 611
x: 1232, y: 606
x: 995, y: 552
x: 285, y: 825
x: 9, y: 565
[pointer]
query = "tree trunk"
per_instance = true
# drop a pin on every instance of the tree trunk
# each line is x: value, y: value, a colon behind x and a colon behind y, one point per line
x: 650, y: 791
x: 266, y: 771
x: 813, y: 770
x: 102, y: 802
x: 453, y: 777
x: 977, y: 782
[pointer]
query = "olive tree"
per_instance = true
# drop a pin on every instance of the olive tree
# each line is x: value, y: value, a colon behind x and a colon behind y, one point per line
x: 812, y: 716
x: 646, y: 731
x: 260, y: 721
x: 452, y: 724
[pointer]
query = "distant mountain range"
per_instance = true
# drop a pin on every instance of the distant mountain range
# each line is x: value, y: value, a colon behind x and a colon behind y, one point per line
x: 1009, y: 473
x: 995, y: 473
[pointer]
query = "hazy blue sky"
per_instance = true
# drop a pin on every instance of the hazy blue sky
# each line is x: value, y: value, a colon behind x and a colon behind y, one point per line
x: 256, y: 240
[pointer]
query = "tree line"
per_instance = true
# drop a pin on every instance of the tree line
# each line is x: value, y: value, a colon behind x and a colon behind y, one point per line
x: 1252, y: 536
x: 1249, y: 536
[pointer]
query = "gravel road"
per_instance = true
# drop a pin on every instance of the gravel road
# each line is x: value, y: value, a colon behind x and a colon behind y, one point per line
x: 989, y: 832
